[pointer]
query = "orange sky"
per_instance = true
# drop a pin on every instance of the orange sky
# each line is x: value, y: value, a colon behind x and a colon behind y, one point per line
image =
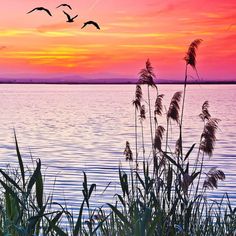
x: 131, y: 31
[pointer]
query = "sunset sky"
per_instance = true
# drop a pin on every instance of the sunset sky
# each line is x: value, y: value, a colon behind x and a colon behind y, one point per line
x: 37, y: 45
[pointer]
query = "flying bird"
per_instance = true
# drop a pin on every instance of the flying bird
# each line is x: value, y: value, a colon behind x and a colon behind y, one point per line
x: 70, y: 19
x: 41, y: 9
x: 91, y: 23
x: 64, y: 5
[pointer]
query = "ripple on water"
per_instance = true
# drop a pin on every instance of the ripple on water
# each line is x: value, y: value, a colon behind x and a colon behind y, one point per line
x: 84, y: 128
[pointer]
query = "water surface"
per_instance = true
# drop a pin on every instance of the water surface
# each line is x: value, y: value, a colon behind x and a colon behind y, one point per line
x: 75, y: 128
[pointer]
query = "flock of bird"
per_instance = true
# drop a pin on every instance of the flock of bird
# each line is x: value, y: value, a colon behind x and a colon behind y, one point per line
x: 70, y: 19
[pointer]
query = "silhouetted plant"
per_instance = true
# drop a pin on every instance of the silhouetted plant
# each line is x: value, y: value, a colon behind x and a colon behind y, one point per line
x: 147, y: 76
x: 127, y: 152
x: 137, y: 106
x: 190, y: 59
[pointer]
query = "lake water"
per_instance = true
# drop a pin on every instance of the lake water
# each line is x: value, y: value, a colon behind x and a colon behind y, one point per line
x: 75, y: 128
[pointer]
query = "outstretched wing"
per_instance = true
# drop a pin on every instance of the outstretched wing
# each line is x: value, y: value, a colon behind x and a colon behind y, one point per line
x: 40, y: 9
x: 32, y: 10
x: 95, y: 24
x: 74, y: 17
x: 49, y: 13
x: 91, y: 23
x: 65, y: 5
x: 84, y: 25
x: 68, y: 16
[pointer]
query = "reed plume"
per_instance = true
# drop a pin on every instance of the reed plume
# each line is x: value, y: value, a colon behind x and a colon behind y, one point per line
x: 208, y: 137
x: 158, y: 105
x: 190, y: 57
x: 147, y: 75
x: 158, y: 137
x: 205, y: 115
x: 138, y: 97
x: 173, y: 112
x: 127, y: 152
x: 178, y: 147
x: 138, y: 92
x: 142, y: 113
x: 212, y: 178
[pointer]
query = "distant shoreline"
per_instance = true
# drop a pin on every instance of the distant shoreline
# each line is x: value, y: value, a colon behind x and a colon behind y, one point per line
x: 115, y: 83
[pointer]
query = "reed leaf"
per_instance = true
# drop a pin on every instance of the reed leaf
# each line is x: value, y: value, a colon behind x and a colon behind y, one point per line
x: 173, y: 162
x: 91, y: 189
x: 34, y: 177
x: 12, y: 193
x: 54, y: 221
x: 9, y: 179
x: 120, y: 215
x: 78, y: 224
x: 39, y: 189
x: 169, y: 182
x: 21, y: 164
x: 189, y: 152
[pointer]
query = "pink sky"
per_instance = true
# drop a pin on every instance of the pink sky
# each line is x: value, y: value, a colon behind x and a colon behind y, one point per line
x: 131, y: 31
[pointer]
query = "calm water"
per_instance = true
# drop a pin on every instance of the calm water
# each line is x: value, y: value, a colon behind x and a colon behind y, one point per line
x: 75, y: 128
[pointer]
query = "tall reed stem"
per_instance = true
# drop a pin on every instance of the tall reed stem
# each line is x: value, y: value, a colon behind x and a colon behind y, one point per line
x: 150, y: 119
x: 141, y: 122
x: 167, y: 134
x: 182, y: 111
x: 136, y: 139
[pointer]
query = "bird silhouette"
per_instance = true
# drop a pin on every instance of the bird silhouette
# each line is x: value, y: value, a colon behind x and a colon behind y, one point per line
x: 64, y: 5
x: 70, y: 19
x: 91, y: 23
x: 40, y: 9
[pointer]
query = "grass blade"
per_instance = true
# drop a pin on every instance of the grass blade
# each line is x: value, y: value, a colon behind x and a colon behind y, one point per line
x: 21, y: 164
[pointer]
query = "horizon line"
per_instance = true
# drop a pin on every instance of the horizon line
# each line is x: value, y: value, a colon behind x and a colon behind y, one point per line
x: 114, y: 83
